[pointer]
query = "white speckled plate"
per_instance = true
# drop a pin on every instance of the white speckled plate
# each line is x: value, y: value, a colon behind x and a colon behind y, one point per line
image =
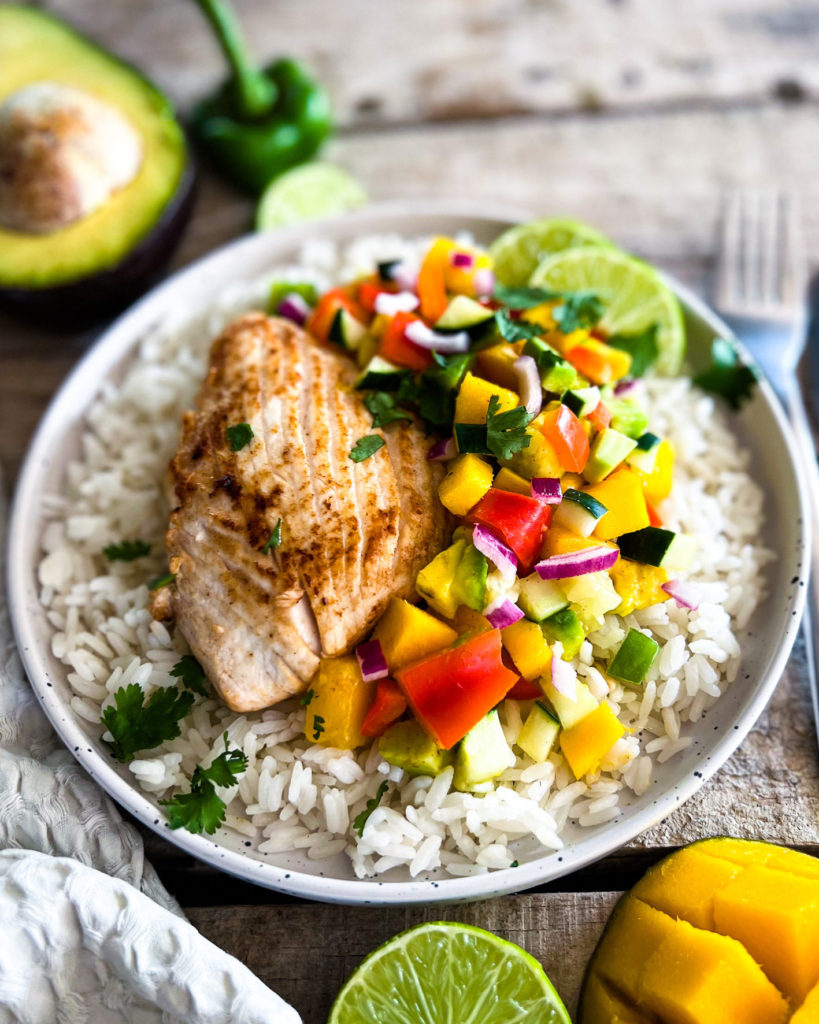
x: 760, y: 425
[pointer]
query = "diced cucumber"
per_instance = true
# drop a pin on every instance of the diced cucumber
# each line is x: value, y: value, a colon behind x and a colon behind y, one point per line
x: 407, y: 745
x: 539, y: 598
x: 280, y: 289
x: 628, y: 417
x: 569, y: 711
x: 345, y: 330
x: 465, y: 314
x: 634, y: 658
x: 539, y: 732
x: 555, y: 373
x: 655, y: 546
x: 380, y: 375
x: 591, y: 597
x: 608, y: 450
x: 579, y: 512
x: 644, y: 456
x: 482, y: 754
x: 471, y: 437
x: 566, y: 627
x: 582, y: 401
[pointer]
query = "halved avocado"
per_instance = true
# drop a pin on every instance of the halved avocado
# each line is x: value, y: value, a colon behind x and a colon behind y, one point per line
x: 104, y: 259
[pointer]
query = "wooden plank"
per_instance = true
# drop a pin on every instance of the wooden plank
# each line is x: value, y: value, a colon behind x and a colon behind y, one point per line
x: 397, y: 63
x: 306, y: 952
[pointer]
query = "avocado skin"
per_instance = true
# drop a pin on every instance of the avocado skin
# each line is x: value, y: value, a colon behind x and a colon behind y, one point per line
x: 90, y: 300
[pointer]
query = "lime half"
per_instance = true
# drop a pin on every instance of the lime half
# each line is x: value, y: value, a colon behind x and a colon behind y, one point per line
x: 633, y: 293
x: 518, y: 251
x: 307, y: 193
x: 449, y: 974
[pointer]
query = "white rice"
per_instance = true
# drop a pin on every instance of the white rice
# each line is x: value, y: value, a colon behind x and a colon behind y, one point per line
x: 299, y: 796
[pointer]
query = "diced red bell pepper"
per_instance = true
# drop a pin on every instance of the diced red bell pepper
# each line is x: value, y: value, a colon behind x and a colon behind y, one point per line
x: 518, y: 519
x: 564, y: 431
x: 400, y: 350
x: 600, y: 417
x: 432, y: 280
x: 389, y: 704
x: 653, y: 516
x: 525, y: 689
x: 451, y: 691
x: 368, y: 291
x: 329, y: 304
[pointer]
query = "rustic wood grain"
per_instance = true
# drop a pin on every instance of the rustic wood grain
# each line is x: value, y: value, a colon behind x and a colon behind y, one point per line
x: 306, y: 952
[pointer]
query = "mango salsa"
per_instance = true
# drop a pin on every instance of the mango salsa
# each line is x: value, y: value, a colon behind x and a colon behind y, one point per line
x: 467, y: 480
x: 495, y: 363
x: 585, y: 744
x: 622, y: 494
x: 339, y: 701
x: 474, y: 396
x: 407, y: 634
x: 639, y: 585
x: 506, y: 480
x: 527, y: 647
x: 657, y: 484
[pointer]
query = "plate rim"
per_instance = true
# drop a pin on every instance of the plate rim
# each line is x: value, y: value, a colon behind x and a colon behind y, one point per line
x: 103, y: 354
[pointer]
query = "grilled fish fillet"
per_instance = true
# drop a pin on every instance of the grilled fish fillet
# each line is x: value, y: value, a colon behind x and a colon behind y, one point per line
x: 352, y: 534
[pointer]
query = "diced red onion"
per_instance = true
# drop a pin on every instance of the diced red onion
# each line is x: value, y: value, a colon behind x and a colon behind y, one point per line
x: 564, y: 677
x: 294, y: 307
x: 420, y: 334
x: 405, y: 276
x: 483, y: 282
x: 577, y: 563
x: 529, y: 387
x: 628, y: 389
x: 390, y: 303
x: 505, y: 615
x: 495, y: 550
x: 371, y: 661
x: 464, y: 260
x: 685, y: 594
x: 443, y: 450
x: 547, y: 489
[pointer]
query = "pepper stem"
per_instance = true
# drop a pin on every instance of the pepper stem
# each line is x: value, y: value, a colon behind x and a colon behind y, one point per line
x: 255, y: 92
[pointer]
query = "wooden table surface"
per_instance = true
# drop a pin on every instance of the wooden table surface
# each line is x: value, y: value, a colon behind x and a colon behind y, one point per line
x: 634, y: 115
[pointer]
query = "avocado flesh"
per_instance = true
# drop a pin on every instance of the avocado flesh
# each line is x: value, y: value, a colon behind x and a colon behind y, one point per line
x: 37, y: 47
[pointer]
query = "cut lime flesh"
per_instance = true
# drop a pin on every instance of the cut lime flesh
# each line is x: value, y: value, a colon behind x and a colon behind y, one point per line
x: 446, y: 973
x: 307, y: 193
x: 518, y: 251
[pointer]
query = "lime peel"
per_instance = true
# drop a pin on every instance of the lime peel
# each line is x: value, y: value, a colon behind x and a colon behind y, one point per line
x: 306, y: 193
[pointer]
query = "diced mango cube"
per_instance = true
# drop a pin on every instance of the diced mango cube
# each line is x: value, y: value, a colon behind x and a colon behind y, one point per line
x: 634, y: 932
x: 542, y: 315
x: 538, y: 459
x: 474, y: 396
x: 603, y: 1004
x: 808, y: 1012
x: 657, y: 484
x: 560, y: 541
x: 467, y: 620
x: 407, y: 634
x: 684, y: 885
x: 468, y: 478
x: 527, y: 647
x: 622, y: 494
x: 506, y: 480
x: 585, y: 744
x: 748, y: 851
x: 495, y: 363
x: 638, y: 585
x: 338, y: 705
x: 597, y: 361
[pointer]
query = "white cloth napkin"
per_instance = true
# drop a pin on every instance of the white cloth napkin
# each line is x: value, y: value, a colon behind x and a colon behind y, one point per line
x: 87, y: 931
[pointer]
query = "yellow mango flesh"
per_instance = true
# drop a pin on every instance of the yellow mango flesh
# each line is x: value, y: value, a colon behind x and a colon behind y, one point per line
x: 684, y: 885
x: 496, y: 364
x: 407, y: 634
x: 657, y: 484
x: 622, y: 494
x: 538, y: 459
x: 474, y: 396
x: 585, y: 744
x: 602, y: 1002
x: 633, y: 933
x: 638, y: 585
x: 467, y: 480
x: 340, y: 701
x: 559, y: 541
x: 808, y: 1012
x: 527, y: 648
x: 506, y: 480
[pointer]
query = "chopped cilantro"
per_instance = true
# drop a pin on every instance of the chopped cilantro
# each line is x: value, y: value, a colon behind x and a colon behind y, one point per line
x: 366, y: 446
x: 642, y: 347
x: 727, y: 376
x: 516, y: 330
x: 514, y: 864
x: 238, y: 436
x: 161, y: 581
x: 579, y: 309
x: 362, y: 819
x: 126, y: 551
x: 307, y: 699
x: 318, y: 726
x: 136, y: 724
x: 192, y: 675
x: 383, y: 410
x: 275, y: 538
x: 524, y: 298
x: 202, y: 809
x: 506, y: 431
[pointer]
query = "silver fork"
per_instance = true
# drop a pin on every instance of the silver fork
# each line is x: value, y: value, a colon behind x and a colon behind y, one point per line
x: 761, y: 293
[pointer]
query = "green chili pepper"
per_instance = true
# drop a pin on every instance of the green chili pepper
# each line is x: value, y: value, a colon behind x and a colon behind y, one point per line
x: 261, y: 121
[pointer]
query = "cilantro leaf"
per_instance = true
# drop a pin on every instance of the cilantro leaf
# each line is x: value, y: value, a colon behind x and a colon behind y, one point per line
x: 136, y: 724
x: 524, y: 298
x: 362, y: 819
x: 727, y: 376
x: 275, y: 538
x: 318, y: 726
x: 202, y: 809
x: 383, y: 410
x: 126, y: 551
x: 516, y: 330
x: 642, y: 347
x: 579, y: 310
x: 506, y: 431
x: 161, y: 581
x: 238, y: 436
x: 192, y: 675
x: 307, y: 699
x: 365, y: 447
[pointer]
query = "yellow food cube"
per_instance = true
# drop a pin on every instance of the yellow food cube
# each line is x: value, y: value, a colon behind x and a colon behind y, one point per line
x: 604, y: 1004
x: 684, y: 885
x: 541, y: 315
x: 407, y: 634
x: 622, y: 494
x: 560, y: 541
x: 749, y: 851
x: 585, y: 744
x: 506, y: 480
x: 638, y: 585
x: 598, y: 362
x: 538, y: 459
x: 808, y: 1012
x: 474, y: 395
x: 574, y: 480
x: 468, y: 478
x: 340, y: 699
x: 657, y: 484
x: 775, y: 915
x: 527, y: 648
x: 634, y: 932
x: 467, y: 620
x: 496, y: 364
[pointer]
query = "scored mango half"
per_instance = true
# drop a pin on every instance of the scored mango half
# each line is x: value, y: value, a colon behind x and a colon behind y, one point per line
x: 725, y: 931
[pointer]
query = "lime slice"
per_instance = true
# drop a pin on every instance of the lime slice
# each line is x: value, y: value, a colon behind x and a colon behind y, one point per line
x: 519, y: 250
x: 449, y: 974
x: 307, y: 193
x: 632, y: 292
